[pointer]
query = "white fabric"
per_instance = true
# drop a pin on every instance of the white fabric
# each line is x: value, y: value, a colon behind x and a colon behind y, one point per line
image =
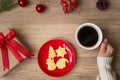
x: 105, y: 70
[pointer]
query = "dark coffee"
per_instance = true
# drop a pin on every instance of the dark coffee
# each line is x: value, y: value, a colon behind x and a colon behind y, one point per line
x: 87, y: 36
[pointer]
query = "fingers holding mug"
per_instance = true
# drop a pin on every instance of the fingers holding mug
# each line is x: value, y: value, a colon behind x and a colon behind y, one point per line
x: 106, y: 50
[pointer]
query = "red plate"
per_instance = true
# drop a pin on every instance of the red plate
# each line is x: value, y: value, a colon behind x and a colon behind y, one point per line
x: 43, y: 55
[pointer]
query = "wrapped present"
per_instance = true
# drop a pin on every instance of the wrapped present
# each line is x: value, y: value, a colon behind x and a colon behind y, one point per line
x: 12, y: 51
x: 69, y: 5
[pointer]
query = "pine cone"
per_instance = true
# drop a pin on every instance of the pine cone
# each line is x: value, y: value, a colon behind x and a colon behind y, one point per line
x: 102, y: 4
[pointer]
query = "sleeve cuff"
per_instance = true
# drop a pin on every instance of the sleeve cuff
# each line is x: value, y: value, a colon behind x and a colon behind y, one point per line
x: 105, y: 70
x: 102, y: 61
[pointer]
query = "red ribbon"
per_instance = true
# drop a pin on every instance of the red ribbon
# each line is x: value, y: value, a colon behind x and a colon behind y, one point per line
x: 8, y: 42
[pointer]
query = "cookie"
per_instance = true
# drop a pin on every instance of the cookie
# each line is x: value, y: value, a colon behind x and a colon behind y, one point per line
x: 52, y: 53
x: 61, y: 63
x: 51, y: 64
x: 61, y: 52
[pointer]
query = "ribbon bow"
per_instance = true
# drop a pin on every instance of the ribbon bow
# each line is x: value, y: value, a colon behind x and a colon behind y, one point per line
x: 8, y: 42
x: 69, y: 5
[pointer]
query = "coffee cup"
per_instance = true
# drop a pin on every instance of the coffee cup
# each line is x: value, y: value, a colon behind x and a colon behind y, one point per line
x: 88, y: 36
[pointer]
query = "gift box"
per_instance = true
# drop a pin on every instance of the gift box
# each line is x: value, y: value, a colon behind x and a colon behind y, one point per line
x: 12, y: 51
x: 69, y: 5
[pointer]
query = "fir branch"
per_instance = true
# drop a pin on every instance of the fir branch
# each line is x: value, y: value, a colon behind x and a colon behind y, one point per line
x: 6, y: 5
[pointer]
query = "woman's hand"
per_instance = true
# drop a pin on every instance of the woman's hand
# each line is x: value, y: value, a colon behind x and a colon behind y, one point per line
x: 106, y: 50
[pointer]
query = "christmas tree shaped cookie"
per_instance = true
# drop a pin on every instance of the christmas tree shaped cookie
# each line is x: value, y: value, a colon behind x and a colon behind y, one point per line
x: 52, y: 53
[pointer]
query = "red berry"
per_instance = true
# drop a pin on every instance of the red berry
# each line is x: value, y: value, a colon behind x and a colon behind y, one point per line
x: 23, y: 3
x: 40, y: 8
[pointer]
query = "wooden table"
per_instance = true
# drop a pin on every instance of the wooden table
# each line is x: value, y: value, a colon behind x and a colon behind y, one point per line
x: 34, y: 29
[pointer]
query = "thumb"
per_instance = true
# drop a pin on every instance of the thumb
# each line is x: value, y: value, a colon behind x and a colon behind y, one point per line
x: 104, y: 45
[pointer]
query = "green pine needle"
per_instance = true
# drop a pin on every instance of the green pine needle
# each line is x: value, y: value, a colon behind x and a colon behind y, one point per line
x: 6, y: 5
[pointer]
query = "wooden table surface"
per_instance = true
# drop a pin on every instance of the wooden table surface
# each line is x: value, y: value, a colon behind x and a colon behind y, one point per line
x: 34, y: 29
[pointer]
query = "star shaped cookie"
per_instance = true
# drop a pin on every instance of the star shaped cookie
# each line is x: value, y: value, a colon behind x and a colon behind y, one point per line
x: 61, y: 52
